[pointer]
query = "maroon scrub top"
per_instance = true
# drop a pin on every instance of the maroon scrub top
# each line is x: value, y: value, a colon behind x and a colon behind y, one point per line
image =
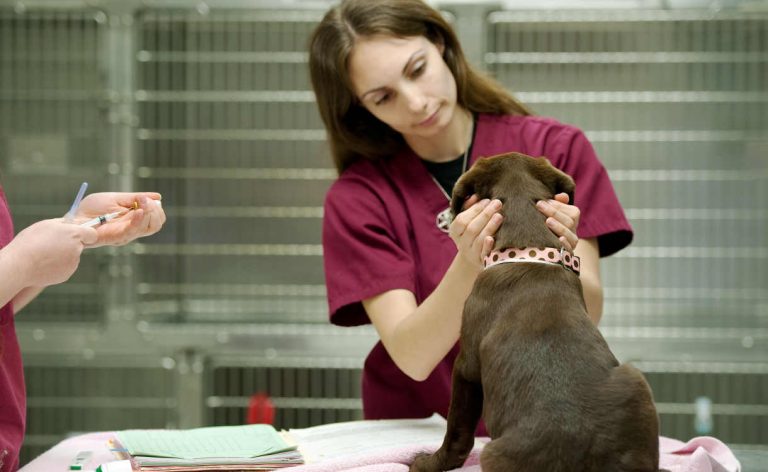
x: 13, y: 403
x: 380, y: 234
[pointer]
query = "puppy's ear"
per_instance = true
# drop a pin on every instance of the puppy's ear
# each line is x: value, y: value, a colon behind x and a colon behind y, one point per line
x: 463, y: 189
x: 555, y: 179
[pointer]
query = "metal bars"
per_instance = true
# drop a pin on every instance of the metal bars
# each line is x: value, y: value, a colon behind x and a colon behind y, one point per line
x: 675, y: 104
x: 50, y: 131
x: 229, y: 131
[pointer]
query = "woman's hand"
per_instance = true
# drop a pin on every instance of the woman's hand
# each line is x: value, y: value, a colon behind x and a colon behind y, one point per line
x: 48, y: 252
x: 147, y: 219
x: 472, y: 230
x: 562, y: 219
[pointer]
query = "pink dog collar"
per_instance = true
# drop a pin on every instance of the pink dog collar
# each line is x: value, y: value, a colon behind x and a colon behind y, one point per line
x: 547, y: 255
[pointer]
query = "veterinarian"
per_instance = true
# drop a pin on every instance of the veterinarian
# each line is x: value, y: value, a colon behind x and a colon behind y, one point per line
x: 406, y: 114
x: 47, y: 253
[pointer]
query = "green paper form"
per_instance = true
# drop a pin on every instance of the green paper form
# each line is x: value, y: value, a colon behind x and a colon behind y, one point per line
x: 214, y: 442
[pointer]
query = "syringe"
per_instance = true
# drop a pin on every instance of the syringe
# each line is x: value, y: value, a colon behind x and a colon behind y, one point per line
x: 101, y: 219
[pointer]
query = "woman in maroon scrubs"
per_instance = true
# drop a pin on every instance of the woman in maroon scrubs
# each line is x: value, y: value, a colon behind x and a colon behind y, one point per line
x: 406, y: 115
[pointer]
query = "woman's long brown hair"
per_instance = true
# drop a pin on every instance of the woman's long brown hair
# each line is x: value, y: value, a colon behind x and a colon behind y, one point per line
x: 353, y: 132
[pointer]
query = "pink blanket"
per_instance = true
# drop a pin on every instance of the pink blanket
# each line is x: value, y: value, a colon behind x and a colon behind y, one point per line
x: 702, y: 454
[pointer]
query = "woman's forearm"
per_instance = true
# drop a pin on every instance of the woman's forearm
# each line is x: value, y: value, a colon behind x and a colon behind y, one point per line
x: 591, y: 284
x: 419, y: 337
x: 10, y: 282
x: 25, y: 296
x: 431, y: 332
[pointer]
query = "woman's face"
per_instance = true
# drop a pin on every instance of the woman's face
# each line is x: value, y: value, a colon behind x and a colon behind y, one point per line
x: 405, y: 83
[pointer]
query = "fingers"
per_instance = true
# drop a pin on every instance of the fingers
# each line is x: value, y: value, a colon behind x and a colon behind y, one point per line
x: 102, y: 203
x: 88, y: 236
x: 487, y: 231
x: 567, y: 215
x: 567, y: 237
x: 562, y: 219
x: 463, y: 219
x: 155, y: 214
x: 48, y: 252
x: 471, y: 201
x: 487, y: 247
x: 146, y: 220
x: 485, y: 223
x: 473, y: 229
x: 475, y: 218
x: 126, y: 199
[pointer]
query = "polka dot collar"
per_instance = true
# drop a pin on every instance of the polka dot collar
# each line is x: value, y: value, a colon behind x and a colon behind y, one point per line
x: 546, y: 255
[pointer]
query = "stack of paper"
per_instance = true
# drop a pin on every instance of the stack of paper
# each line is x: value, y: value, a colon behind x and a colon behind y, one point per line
x: 248, y: 448
x: 366, y: 437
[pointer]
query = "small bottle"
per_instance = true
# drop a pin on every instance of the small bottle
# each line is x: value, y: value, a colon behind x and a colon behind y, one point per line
x: 703, y: 420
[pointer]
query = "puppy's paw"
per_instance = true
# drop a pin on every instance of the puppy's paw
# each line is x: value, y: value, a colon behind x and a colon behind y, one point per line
x: 423, y: 463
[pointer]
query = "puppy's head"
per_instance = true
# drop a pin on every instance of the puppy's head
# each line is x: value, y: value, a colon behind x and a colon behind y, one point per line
x: 518, y: 181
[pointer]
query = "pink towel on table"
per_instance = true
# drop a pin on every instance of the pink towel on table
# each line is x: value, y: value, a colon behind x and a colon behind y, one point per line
x: 701, y: 454
x: 60, y: 456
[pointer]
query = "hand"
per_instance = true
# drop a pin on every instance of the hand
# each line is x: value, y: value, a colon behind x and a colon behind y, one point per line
x: 472, y: 230
x: 48, y: 252
x: 147, y: 219
x: 562, y: 219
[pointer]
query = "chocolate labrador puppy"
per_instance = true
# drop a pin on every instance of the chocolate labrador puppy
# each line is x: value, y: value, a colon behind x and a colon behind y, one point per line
x: 532, y: 363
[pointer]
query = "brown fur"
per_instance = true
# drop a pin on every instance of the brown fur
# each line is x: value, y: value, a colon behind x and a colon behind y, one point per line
x: 532, y: 363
